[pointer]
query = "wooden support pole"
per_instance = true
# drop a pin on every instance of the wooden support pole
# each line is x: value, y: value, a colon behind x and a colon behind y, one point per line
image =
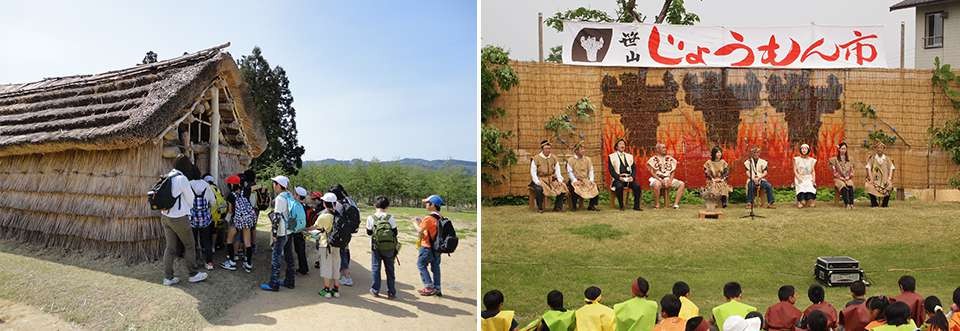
x: 901, y: 44
x: 215, y: 133
x: 540, y: 31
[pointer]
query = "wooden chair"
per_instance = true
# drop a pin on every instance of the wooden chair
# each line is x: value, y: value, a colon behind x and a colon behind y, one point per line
x: 664, y: 196
x: 547, y: 201
x: 532, y: 200
x: 570, y: 194
x: 627, y: 195
x: 760, y: 199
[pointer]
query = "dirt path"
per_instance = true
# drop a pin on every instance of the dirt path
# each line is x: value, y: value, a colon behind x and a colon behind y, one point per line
x: 357, y: 309
x: 17, y: 316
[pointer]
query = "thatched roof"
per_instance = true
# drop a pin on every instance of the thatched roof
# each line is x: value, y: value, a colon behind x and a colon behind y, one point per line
x: 118, y: 109
x: 915, y: 3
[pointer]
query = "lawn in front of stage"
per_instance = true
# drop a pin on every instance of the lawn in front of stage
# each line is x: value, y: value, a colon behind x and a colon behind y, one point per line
x: 525, y: 254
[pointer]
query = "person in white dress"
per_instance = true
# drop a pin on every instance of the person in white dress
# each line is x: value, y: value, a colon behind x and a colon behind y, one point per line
x: 805, y: 177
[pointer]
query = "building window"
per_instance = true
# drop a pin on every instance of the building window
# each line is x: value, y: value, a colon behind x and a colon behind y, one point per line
x: 933, y: 36
x: 200, y: 130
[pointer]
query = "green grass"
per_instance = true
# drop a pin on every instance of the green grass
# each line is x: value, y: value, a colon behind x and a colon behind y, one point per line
x: 526, y: 254
x: 597, y: 231
x: 109, y: 294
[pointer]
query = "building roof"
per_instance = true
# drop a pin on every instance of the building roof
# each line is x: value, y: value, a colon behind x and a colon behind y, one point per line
x: 915, y: 3
x: 118, y: 109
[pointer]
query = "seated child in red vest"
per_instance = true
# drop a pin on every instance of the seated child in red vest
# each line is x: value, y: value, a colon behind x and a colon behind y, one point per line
x: 816, y: 295
x: 783, y: 316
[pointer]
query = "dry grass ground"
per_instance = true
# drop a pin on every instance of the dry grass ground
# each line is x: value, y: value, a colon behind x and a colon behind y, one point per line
x: 108, y: 294
x: 526, y: 255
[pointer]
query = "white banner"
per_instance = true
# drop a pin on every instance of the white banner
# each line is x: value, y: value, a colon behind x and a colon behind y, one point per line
x: 648, y: 45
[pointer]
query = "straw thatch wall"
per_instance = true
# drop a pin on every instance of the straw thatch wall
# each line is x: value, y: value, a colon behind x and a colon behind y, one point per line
x: 692, y: 110
x: 78, y: 154
x: 83, y: 200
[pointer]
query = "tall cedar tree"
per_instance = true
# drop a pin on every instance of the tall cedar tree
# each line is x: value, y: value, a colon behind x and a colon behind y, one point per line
x: 270, y: 93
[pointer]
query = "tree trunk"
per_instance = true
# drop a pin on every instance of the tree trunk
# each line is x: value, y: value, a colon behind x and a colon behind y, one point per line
x: 663, y: 11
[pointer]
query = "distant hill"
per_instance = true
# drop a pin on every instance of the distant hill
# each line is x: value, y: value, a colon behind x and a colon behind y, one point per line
x: 469, y: 166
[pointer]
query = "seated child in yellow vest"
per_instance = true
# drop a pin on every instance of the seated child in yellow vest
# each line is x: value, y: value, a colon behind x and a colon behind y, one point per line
x: 732, y: 291
x: 555, y: 319
x: 898, y: 318
x: 638, y: 313
x: 670, y: 311
x: 495, y: 319
x: 594, y: 316
x: 688, y: 309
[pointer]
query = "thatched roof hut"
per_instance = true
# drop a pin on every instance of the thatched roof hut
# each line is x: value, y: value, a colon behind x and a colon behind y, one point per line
x: 78, y: 153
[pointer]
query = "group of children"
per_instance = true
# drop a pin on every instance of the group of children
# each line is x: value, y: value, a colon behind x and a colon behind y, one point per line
x: 203, y: 217
x: 330, y: 219
x: 676, y: 312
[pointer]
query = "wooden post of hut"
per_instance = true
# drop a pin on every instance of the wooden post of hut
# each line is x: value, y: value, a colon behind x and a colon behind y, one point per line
x: 215, y: 132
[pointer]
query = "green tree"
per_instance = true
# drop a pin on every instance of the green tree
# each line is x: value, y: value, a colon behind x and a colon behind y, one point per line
x: 672, y: 12
x: 405, y: 185
x: 271, y: 96
x: 496, y: 75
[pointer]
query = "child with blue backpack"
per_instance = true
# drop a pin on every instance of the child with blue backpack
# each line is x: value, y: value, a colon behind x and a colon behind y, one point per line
x: 201, y: 219
x: 287, y: 218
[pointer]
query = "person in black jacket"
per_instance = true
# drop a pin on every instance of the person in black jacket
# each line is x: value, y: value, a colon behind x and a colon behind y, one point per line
x: 623, y: 170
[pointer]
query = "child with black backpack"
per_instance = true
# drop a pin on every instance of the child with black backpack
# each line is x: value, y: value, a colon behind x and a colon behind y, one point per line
x: 174, y: 198
x: 427, y: 230
x: 382, y: 229
x: 328, y: 254
x: 347, y: 210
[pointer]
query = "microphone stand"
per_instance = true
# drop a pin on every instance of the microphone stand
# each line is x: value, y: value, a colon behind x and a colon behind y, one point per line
x: 756, y: 187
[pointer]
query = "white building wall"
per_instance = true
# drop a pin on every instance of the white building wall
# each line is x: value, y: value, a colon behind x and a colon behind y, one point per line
x: 950, y: 52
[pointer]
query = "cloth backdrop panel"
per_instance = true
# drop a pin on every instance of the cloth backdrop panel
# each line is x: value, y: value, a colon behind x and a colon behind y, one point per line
x: 648, y: 45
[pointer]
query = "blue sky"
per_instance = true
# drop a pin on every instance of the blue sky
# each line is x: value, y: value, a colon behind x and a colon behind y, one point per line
x: 370, y: 79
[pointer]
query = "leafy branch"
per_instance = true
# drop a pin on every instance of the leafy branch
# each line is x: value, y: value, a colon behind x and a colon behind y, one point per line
x: 673, y: 12
x: 947, y: 137
x: 564, y: 125
x: 874, y: 134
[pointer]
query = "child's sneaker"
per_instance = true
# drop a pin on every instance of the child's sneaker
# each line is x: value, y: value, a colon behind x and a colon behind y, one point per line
x: 209, y: 266
x: 170, y: 281
x: 198, y: 277
x: 336, y: 292
x: 346, y: 281
x: 229, y: 265
x: 374, y: 293
x: 325, y: 293
x: 247, y: 267
x: 267, y: 287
